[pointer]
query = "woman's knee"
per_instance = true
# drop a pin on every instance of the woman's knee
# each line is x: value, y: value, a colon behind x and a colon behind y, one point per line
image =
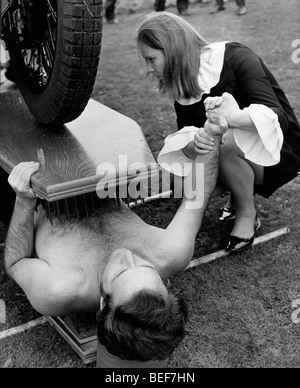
x: 229, y: 149
x: 232, y: 156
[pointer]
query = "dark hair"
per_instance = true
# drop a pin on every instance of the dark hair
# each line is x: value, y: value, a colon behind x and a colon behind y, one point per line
x: 148, y: 327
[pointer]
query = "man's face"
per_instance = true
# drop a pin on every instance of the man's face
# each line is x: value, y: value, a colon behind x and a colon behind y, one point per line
x: 126, y: 274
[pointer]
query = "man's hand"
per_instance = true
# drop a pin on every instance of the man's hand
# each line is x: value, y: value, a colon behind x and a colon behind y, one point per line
x: 225, y: 106
x: 217, y: 128
x: 205, y: 138
x: 20, y: 177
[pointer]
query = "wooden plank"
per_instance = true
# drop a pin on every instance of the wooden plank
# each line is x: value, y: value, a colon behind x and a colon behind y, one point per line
x: 2, y: 312
x: 223, y: 253
x: 22, y: 328
x: 70, y: 155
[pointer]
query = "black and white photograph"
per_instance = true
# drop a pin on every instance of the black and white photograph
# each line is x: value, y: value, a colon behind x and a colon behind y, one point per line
x: 150, y: 187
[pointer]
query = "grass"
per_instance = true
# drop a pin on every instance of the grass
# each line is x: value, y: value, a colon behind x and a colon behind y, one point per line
x: 240, y: 306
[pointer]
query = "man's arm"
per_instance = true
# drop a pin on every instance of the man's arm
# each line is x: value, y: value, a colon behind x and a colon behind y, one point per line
x: 203, y: 181
x: 184, y: 227
x: 51, y: 291
x: 20, y: 237
x: 189, y: 215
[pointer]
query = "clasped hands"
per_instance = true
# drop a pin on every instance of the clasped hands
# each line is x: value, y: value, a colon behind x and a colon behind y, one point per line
x: 218, y: 112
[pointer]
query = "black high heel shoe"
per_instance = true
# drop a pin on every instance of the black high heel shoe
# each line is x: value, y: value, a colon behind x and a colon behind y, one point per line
x: 237, y: 244
x: 227, y: 214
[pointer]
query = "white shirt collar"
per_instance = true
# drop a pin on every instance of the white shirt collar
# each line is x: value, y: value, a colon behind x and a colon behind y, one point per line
x: 211, y: 65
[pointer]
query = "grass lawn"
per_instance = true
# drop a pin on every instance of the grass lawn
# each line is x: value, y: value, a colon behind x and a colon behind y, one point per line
x: 240, y: 307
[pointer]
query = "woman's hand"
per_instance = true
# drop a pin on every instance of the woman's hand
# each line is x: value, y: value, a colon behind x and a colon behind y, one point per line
x: 20, y: 177
x: 205, y: 137
x: 212, y: 103
x: 225, y: 106
x: 203, y: 143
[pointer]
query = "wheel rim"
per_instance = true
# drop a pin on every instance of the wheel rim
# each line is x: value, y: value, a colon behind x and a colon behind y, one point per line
x: 35, y: 38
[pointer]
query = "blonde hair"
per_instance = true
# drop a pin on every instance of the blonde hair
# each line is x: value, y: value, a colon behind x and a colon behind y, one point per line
x: 181, y: 44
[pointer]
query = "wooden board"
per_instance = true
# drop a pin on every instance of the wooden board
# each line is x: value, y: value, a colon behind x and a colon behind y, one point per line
x: 86, y: 350
x: 70, y: 155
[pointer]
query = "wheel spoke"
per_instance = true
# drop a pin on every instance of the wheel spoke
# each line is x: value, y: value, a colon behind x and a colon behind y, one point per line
x: 38, y: 59
x: 51, y: 24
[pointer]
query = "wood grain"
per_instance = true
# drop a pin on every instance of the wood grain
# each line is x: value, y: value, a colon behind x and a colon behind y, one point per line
x: 70, y: 155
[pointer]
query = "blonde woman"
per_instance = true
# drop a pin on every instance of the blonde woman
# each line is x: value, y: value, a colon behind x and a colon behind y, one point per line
x: 261, y: 150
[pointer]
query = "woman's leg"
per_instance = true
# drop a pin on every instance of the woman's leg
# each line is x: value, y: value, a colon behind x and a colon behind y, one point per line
x: 240, y: 175
x: 241, y: 7
x: 182, y: 5
x: 110, y: 9
x: 241, y: 3
x: 219, y: 6
x: 159, y: 5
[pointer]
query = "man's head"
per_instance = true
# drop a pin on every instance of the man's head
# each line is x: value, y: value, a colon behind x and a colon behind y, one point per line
x: 171, y: 48
x: 139, y: 319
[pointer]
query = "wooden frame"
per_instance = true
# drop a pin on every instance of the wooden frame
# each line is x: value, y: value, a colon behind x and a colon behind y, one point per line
x: 84, y: 344
x: 70, y: 155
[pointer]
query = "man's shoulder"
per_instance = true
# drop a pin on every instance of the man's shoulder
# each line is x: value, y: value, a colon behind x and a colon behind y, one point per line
x: 174, y: 255
x: 64, y: 294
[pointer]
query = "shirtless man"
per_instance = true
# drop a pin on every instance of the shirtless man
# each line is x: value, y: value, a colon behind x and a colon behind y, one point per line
x: 62, y: 267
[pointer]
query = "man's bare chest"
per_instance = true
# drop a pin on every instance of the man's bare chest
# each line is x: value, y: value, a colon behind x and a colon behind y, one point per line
x: 87, y: 242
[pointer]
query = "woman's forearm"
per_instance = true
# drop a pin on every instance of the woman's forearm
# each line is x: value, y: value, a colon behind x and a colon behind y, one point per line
x: 241, y: 119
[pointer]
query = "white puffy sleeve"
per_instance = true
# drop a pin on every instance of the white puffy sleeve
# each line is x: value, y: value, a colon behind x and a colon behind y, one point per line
x: 172, y: 158
x: 263, y: 145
